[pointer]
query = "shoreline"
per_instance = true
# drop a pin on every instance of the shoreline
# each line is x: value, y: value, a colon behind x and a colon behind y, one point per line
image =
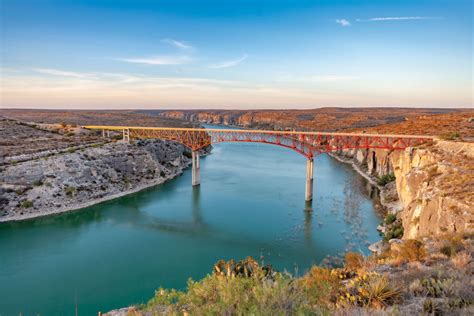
x: 389, y: 207
x: 79, y: 206
x: 356, y: 168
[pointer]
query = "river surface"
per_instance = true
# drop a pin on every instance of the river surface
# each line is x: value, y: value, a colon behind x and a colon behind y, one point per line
x: 250, y: 203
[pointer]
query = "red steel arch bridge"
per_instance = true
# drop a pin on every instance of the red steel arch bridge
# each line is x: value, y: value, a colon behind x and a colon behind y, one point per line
x: 308, y: 144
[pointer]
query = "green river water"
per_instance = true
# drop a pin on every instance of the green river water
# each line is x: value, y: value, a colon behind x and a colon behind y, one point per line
x: 250, y: 203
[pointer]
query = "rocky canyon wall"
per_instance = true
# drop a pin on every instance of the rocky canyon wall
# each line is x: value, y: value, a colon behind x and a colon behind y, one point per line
x: 434, y: 185
x: 79, y: 178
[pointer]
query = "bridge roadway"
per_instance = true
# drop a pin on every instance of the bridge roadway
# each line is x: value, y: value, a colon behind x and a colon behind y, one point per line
x: 307, y: 144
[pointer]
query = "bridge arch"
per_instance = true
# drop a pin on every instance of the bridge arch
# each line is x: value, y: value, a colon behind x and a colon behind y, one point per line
x: 304, y: 143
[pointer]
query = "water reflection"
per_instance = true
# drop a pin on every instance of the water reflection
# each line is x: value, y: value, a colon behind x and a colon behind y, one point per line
x: 196, y: 206
x: 164, y: 235
x: 308, y: 224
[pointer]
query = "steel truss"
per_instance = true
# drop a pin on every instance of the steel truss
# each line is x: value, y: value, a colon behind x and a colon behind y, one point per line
x: 306, y: 143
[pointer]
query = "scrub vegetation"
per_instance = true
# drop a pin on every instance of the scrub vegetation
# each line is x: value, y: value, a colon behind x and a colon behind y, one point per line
x: 410, y: 277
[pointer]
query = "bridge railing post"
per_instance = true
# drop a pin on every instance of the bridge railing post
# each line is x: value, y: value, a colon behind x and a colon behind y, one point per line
x: 309, y: 179
x: 196, y: 172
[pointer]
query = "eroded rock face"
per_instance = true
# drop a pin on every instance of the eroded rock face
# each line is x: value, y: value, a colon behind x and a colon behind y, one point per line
x: 435, y: 185
x: 72, y: 180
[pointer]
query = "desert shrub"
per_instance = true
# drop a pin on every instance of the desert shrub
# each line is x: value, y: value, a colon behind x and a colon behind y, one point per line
x: 70, y: 191
x: 69, y: 134
x: 461, y: 259
x: 390, y: 218
x: 437, y: 288
x: 321, y: 285
x: 369, y: 290
x: 451, y: 245
x: 240, y: 288
x: 383, y: 180
x: 432, y: 307
x: 37, y: 183
x: 394, y: 230
x: 27, y: 204
x: 412, y: 250
x: 354, y: 261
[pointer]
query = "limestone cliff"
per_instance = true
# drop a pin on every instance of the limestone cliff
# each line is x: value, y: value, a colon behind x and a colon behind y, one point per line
x: 434, y: 185
x: 79, y: 178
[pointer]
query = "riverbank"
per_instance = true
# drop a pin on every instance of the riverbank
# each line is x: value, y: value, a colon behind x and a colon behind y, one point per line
x: 78, y: 206
x: 410, y: 278
x: 83, y: 177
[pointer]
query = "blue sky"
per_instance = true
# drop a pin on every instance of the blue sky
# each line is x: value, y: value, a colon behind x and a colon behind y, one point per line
x: 236, y: 54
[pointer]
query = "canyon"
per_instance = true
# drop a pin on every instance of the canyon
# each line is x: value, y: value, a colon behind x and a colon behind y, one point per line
x: 73, y: 172
x: 433, y: 184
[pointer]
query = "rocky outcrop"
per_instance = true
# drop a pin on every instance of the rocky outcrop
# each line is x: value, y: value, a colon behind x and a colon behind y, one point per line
x: 435, y: 185
x: 433, y: 189
x: 77, y: 179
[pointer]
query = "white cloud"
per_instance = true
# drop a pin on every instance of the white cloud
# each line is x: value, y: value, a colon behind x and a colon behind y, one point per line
x: 343, y: 22
x: 230, y: 63
x: 158, y: 60
x: 178, y: 44
x: 55, y: 72
x: 399, y: 18
x: 315, y: 78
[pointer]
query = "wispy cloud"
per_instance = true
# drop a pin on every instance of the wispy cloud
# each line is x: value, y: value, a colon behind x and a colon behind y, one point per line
x: 158, y: 60
x: 178, y: 44
x: 343, y: 22
x: 55, y: 72
x: 230, y: 63
x: 400, y: 18
x: 315, y: 78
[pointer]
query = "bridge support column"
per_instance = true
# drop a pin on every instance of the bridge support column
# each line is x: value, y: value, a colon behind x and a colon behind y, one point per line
x: 309, y: 179
x: 126, y: 135
x: 196, y: 168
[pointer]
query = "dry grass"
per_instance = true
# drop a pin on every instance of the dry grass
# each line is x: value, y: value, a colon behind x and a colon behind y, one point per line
x: 357, y: 262
x: 461, y: 259
x: 407, y: 251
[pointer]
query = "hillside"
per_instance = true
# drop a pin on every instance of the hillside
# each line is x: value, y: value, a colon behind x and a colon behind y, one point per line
x: 395, y: 120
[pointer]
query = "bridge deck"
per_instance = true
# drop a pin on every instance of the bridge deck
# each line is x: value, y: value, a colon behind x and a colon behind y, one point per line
x: 255, y: 131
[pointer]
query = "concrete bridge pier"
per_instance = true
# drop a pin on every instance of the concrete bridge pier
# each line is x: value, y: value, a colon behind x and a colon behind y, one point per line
x: 126, y: 135
x: 309, y: 179
x: 196, y: 168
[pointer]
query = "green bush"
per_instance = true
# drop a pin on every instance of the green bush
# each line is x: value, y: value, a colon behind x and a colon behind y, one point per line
x: 394, y: 230
x: 70, y: 191
x: 390, y: 218
x: 27, y: 204
x: 234, y: 294
x: 383, y: 180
